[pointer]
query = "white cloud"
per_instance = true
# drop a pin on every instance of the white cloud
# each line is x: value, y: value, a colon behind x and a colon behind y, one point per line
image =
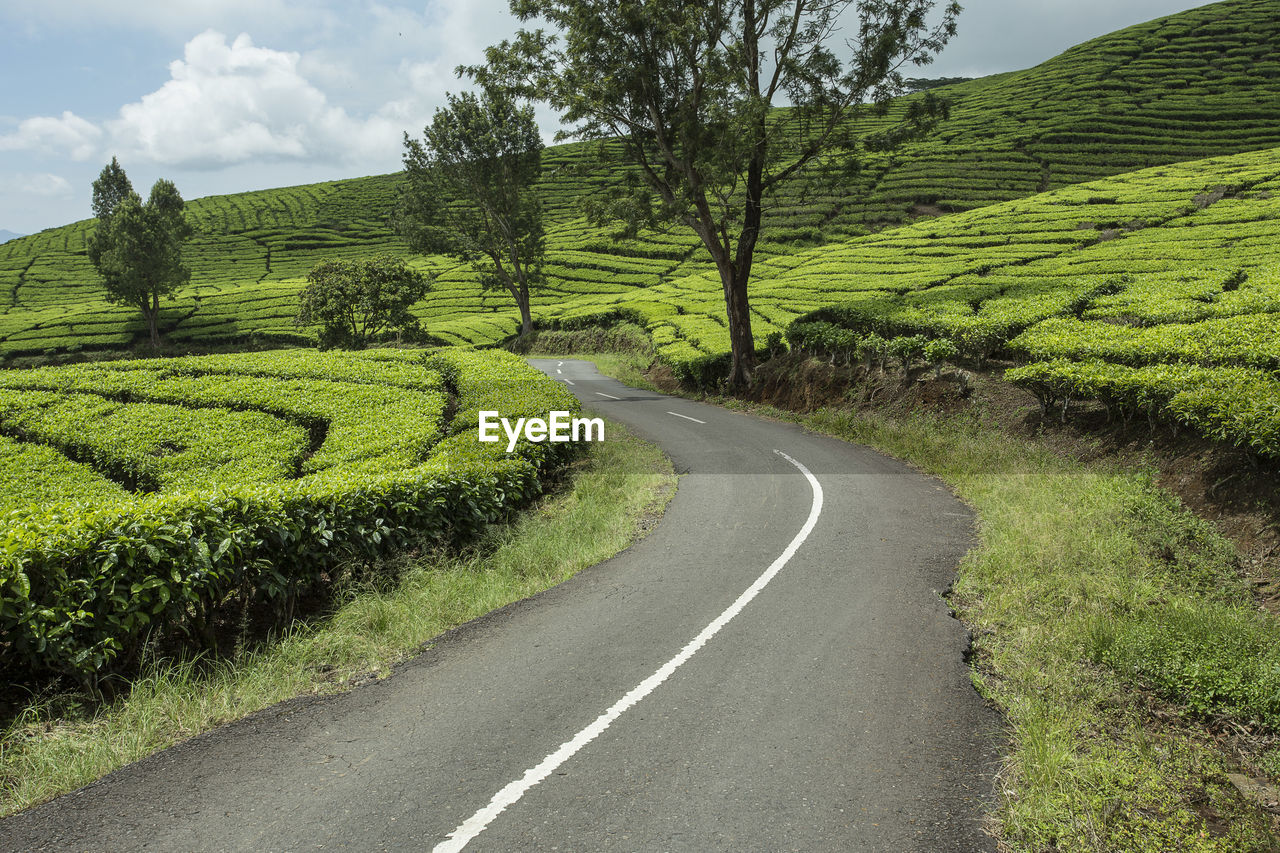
x: 66, y: 134
x: 229, y: 103
x: 42, y: 184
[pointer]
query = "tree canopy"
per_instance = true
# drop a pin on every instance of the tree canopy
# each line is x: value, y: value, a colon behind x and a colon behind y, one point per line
x: 469, y: 192
x: 685, y: 90
x: 137, y: 247
x: 355, y: 301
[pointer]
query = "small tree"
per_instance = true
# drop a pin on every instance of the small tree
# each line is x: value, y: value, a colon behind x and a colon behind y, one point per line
x: 354, y: 301
x: 468, y: 192
x: 685, y: 90
x: 137, y: 248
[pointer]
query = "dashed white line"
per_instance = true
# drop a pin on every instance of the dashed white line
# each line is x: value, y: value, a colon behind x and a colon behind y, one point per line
x: 558, y: 370
x: 610, y: 396
x: 686, y: 417
x: 559, y: 364
x: 511, y: 794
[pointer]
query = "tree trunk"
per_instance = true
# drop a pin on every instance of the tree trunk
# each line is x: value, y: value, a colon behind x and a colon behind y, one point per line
x: 737, y: 276
x: 741, y: 341
x: 526, y: 317
x: 153, y: 320
x: 520, y: 293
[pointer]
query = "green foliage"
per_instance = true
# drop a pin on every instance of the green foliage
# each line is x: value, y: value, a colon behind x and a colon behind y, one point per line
x: 81, y: 586
x: 683, y: 97
x: 1084, y: 272
x: 940, y: 351
x: 1213, y: 660
x: 137, y: 248
x: 1003, y: 141
x: 619, y: 338
x: 156, y: 447
x: 109, y: 191
x: 1233, y: 405
x: 354, y: 302
x: 469, y: 192
x: 33, y: 474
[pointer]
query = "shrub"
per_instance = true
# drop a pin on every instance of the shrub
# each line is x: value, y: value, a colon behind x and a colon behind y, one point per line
x: 81, y: 586
x: 1210, y: 658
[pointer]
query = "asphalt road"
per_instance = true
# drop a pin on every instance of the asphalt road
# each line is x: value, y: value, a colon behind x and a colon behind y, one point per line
x: 771, y: 669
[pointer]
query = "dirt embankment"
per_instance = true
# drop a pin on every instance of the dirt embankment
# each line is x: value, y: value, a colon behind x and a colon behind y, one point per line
x: 1233, y: 488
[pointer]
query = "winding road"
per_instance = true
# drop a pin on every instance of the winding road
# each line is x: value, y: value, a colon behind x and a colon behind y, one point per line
x: 773, y: 668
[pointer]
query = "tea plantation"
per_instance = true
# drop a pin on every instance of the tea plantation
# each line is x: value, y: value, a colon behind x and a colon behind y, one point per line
x: 1065, y: 217
x: 1197, y: 84
x: 140, y: 495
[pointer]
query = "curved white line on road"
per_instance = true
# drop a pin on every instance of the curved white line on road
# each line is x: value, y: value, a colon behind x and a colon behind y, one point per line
x: 476, y: 824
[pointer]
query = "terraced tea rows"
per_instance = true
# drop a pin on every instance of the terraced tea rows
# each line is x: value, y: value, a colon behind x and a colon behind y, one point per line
x: 140, y: 495
x: 1157, y: 292
x: 1199, y: 83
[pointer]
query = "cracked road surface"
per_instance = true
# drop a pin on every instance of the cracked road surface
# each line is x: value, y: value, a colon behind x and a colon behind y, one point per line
x: 830, y: 711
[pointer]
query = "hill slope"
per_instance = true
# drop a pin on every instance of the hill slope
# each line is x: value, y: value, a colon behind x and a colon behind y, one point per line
x: 1190, y: 85
x: 1156, y: 292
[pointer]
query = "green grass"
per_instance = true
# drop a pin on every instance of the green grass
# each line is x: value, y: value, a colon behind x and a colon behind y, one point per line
x: 1091, y: 594
x: 62, y: 742
x: 1065, y: 548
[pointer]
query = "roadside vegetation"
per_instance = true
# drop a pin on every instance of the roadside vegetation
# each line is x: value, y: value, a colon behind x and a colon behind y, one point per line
x: 1113, y: 631
x: 1112, y: 628
x: 240, y: 480
x: 62, y: 739
x: 1105, y: 227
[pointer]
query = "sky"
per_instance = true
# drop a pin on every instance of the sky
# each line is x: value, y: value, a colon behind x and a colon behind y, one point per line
x: 224, y: 96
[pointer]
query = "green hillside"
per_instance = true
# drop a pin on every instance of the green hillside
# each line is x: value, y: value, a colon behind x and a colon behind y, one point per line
x: 1200, y: 83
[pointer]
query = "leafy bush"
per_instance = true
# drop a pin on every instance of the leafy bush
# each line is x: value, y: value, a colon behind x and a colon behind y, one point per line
x: 940, y: 351
x: 1214, y: 660
x: 353, y: 302
x: 81, y: 586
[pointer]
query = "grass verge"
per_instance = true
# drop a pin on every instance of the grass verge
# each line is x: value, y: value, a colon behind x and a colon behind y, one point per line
x: 60, y: 743
x: 1112, y: 629
x: 1071, y: 560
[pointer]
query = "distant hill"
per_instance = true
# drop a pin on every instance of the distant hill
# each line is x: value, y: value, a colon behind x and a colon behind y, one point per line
x: 6, y: 236
x: 1197, y: 84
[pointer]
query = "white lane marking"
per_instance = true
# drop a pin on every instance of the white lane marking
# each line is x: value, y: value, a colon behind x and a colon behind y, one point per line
x: 686, y: 417
x: 568, y: 382
x: 559, y: 364
x: 511, y: 794
x: 558, y: 370
x: 610, y: 396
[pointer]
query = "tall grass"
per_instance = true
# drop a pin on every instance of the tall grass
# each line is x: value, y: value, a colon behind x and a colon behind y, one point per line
x: 1065, y: 548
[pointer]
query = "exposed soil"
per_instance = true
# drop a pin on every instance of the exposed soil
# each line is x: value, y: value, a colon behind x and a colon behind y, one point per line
x: 1234, y: 489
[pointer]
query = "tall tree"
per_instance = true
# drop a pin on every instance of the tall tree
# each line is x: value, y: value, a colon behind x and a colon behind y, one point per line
x: 468, y: 192
x: 686, y: 88
x: 354, y: 301
x: 137, y: 247
x: 111, y: 188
